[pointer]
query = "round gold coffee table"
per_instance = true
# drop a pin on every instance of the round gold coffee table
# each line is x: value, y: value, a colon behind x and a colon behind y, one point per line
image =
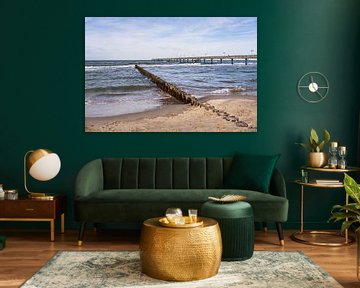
x: 180, y: 254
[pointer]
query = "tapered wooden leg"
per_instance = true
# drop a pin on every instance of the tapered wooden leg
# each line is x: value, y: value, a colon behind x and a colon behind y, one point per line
x: 265, y: 227
x: 81, y: 233
x: 52, y: 230
x: 280, y: 233
x: 63, y: 223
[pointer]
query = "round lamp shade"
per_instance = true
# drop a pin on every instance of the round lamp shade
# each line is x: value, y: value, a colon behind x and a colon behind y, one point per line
x: 44, y: 164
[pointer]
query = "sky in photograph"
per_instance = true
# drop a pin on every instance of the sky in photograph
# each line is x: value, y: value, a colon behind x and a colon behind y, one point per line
x: 142, y: 38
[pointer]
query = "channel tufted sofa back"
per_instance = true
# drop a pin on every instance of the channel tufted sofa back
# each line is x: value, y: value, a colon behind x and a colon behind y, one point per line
x: 164, y: 173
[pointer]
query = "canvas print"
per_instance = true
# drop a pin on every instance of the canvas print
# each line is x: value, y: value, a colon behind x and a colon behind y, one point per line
x: 170, y: 74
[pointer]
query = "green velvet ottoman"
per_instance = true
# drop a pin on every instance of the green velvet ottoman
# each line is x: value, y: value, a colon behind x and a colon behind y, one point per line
x: 236, y: 221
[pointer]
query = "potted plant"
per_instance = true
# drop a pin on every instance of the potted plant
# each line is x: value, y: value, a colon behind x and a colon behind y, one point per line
x: 317, y: 157
x: 350, y: 214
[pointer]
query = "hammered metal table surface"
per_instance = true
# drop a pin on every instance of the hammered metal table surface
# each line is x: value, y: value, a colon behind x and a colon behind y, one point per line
x: 185, y: 254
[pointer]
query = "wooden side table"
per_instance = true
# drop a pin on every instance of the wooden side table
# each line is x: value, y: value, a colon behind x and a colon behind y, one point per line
x: 26, y: 209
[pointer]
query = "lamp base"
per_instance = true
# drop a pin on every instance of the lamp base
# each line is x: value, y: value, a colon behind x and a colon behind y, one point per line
x: 41, y: 196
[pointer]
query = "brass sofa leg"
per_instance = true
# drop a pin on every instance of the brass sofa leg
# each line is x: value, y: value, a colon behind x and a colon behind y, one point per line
x: 280, y: 233
x: 265, y: 227
x: 81, y: 233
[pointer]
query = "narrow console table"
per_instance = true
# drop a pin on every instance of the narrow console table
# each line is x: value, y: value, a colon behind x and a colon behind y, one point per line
x: 297, y: 235
x: 27, y: 209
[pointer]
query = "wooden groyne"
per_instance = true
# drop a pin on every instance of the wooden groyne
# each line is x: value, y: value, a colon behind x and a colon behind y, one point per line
x: 169, y: 88
x: 187, y: 98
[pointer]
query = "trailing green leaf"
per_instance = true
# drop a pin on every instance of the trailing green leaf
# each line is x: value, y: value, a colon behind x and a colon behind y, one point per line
x: 350, y: 207
x: 350, y: 213
x: 346, y: 225
x: 352, y: 188
x: 337, y: 216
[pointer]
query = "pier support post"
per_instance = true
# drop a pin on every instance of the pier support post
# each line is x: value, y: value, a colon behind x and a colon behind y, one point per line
x: 211, y: 60
x: 246, y: 61
x: 232, y: 60
x: 220, y: 60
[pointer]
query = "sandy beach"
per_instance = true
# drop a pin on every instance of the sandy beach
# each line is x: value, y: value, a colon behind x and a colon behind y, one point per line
x: 182, y: 118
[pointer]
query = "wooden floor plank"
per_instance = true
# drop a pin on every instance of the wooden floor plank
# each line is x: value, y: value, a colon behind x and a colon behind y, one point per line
x: 28, y: 250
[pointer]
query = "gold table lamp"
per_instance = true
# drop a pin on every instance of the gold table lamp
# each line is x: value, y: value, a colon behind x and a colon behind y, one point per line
x: 43, y: 165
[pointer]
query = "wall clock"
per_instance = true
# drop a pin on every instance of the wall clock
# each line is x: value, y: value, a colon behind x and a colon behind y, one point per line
x: 313, y: 87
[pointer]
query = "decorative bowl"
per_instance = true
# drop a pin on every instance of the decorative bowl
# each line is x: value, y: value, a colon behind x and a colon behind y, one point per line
x: 188, y: 224
x: 228, y: 198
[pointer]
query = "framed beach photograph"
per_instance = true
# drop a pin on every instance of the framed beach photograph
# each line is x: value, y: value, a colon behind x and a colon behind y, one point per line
x: 170, y: 74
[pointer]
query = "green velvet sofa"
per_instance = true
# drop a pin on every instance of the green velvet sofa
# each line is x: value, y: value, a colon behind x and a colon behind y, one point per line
x: 130, y: 190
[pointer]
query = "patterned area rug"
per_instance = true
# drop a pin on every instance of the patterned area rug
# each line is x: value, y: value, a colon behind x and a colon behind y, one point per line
x: 122, y: 269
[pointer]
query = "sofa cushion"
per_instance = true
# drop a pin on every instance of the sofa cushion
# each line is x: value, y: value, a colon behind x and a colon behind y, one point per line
x: 266, y: 206
x: 251, y: 172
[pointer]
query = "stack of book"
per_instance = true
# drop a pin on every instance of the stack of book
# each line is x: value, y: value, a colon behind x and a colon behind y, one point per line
x: 327, y: 181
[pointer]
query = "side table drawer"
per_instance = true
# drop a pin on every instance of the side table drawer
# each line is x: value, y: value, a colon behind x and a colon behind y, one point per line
x: 30, y: 209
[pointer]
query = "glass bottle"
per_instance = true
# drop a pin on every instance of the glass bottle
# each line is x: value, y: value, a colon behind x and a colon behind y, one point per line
x: 333, y: 162
x: 304, y: 176
x: 11, y: 194
x: 342, y: 154
x: 2, y: 192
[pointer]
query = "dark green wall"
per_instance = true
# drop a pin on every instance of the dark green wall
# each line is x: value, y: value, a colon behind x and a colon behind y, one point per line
x: 42, y: 88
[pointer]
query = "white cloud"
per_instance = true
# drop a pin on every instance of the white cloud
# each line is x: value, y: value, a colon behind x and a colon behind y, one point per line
x: 147, y: 37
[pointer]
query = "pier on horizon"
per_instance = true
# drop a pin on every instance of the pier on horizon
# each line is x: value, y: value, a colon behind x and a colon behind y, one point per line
x: 208, y: 59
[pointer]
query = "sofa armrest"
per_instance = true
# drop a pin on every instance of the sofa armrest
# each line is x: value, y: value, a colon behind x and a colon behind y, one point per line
x: 89, y: 179
x: 277, y: 184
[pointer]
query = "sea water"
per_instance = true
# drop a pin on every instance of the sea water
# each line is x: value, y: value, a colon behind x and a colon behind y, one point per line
x: 117, y: 88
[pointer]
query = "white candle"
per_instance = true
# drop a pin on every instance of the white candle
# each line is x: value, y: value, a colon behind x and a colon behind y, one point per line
x: 342, y: 149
